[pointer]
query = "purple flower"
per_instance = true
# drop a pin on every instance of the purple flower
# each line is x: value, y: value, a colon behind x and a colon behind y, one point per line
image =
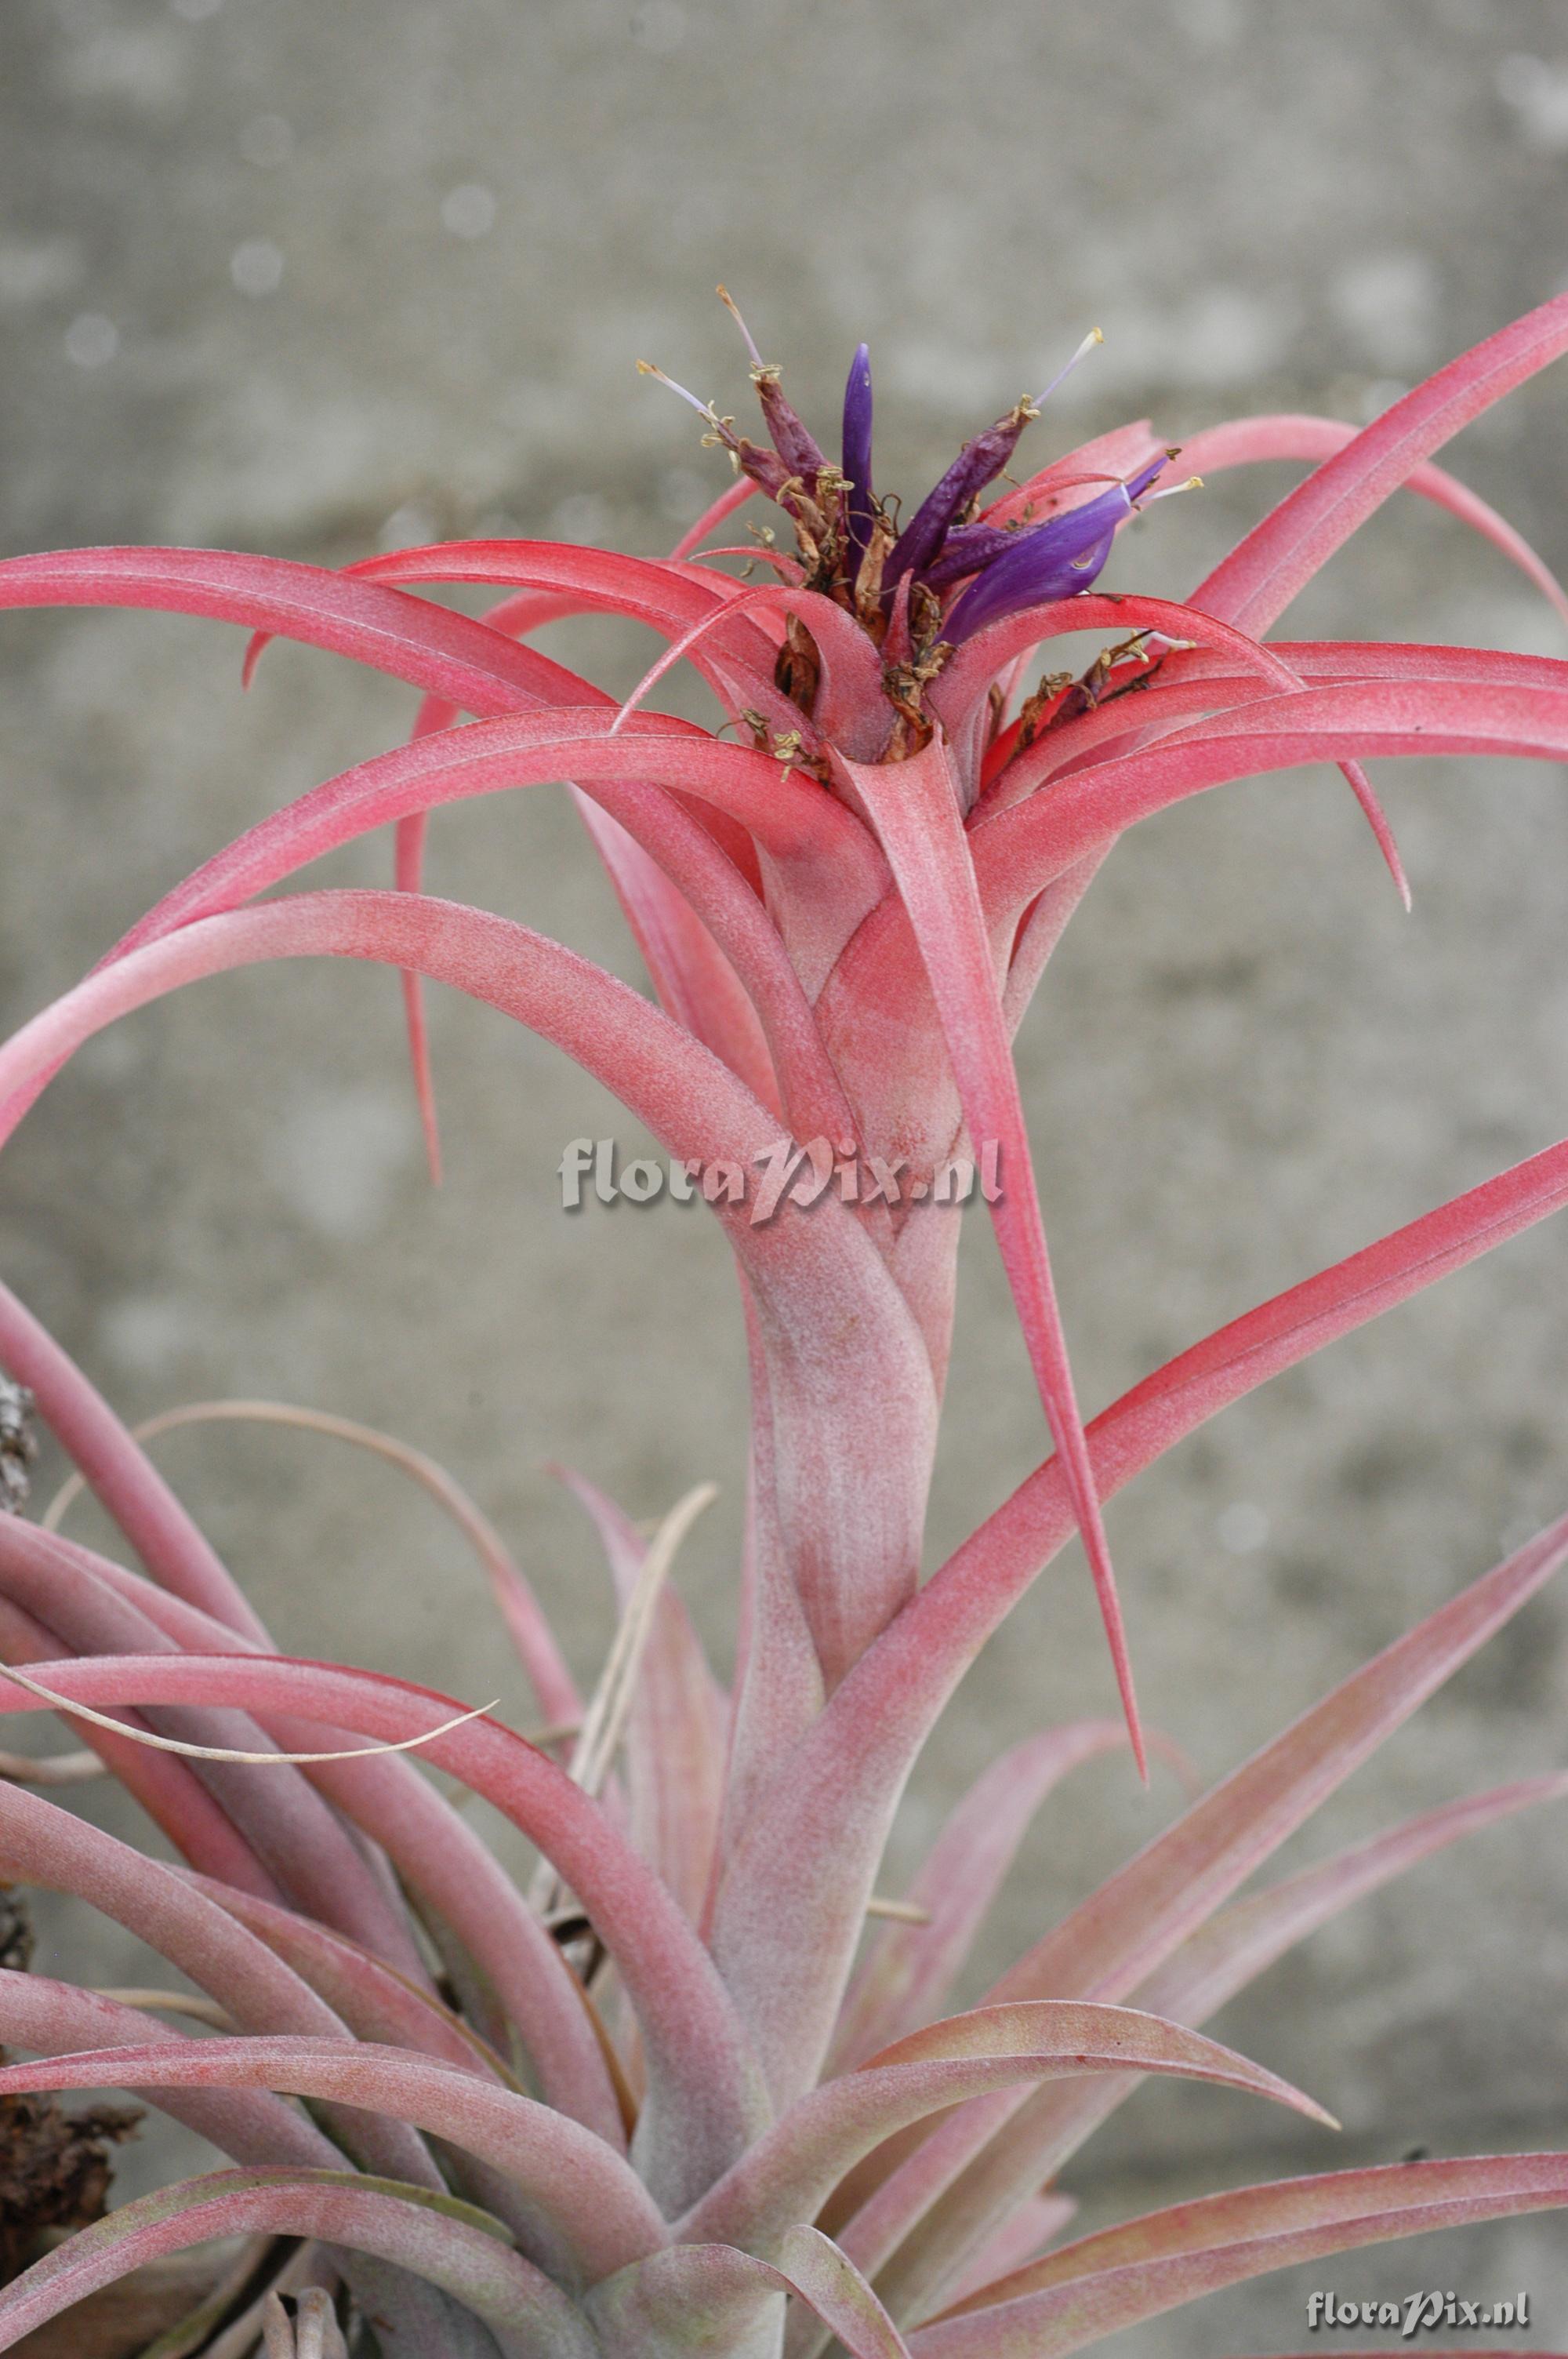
x: 1052, y: 561
x: 943, y: 546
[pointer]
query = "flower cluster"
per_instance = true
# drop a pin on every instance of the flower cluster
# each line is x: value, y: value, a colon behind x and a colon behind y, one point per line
x: 919, y: 590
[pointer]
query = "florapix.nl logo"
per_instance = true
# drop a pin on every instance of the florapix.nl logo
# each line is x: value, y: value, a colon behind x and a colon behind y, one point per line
x: 783, y: 1173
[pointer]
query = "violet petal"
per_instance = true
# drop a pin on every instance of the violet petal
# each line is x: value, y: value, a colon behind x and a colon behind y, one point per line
x: 1053, y: 561
x: 969, y: 549
x: 979, y: 462
x: 857, y: 449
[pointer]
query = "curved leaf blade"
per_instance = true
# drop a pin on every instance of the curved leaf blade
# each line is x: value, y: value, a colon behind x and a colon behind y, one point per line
x: 594, y: 2215
x: 1156, y: 2264
x: 794, y: 2167
x: 449, y: 2243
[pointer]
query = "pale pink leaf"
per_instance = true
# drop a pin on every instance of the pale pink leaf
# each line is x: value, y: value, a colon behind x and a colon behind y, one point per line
x: 427, y: 646
x: 1102, y: 2284
x: 434, y: 2236
x: 967, y: 2176
x: 54, y: 2018
x: 675, y: 1734
x: 705, y: 2097
x: 588, y: 2213
x: 909, y: 1968
x: 794, y: 2167
x: 914, y: 807
x: 725, y: 2296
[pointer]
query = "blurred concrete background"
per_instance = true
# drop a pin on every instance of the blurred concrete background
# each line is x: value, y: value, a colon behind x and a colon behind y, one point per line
x: 312, y: 280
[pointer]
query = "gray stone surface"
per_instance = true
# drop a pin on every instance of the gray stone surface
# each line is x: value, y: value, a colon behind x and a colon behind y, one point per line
x: 285, y: 277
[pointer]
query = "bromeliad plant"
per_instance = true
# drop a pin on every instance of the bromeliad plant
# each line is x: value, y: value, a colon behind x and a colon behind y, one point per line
x: 679, y: 2097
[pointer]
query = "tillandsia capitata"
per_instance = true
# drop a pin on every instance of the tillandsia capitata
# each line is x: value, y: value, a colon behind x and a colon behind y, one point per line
x: 693, y: 2090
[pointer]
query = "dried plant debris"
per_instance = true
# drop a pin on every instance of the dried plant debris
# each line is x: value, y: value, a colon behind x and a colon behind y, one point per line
x: 54, y: 2166
x: 18, y: 1446
x: 55, y: 2170
x: 15, y: 1932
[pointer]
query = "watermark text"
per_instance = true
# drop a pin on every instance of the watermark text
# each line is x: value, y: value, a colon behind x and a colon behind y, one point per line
x: 1416, y: 2313
x: 782, y: 1173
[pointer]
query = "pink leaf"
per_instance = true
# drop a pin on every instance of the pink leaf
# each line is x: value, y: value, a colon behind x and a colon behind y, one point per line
x: 1256, y: 582
x: 854, y: 1518
x: 119, y: 1472
x: 794, y: 2167
x: 40, y: 1844
x: 911, y: 1968
x: 828, y: 864
x: 165, y: 1788
x: 54, y: 2018
x: 589, y: 2213
x: 737, y: 662
x: 435, y: 2236
x: 1103, y: 2283
x: 443, y: 1862
x: 458, y: 1882
x: 1107, y: 1946
x: 701, y: 2073
x: 850, y: 709
x: 677, y: 1730
x: 1244, y: 442
x: 1223, y: 1956
x: 428, y: 646
x: 1020, y: 852
x: 871, y: 1735
x: 1237, y: 1946
x: 374, y: 2002
x: 693, y: 977
x: 513, y: 616
x: 728, y: 2293
x: 289, y: 1828
x: 957, y: 695
x: 915, y: 808
x: 694, y: 981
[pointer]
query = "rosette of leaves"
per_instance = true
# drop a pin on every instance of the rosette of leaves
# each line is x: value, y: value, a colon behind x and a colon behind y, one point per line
x: 679, y: 2097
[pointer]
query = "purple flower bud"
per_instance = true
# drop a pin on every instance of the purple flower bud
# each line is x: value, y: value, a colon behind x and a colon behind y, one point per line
x: 858, y: 448
x: 1053, y: 561
x: 979, y: 462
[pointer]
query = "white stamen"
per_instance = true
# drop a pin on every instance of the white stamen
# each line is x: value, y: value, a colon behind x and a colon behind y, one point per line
x: 703, y: 408
x: 733, y: 308
x: 1173, y: 491
x: 1095, y: 336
